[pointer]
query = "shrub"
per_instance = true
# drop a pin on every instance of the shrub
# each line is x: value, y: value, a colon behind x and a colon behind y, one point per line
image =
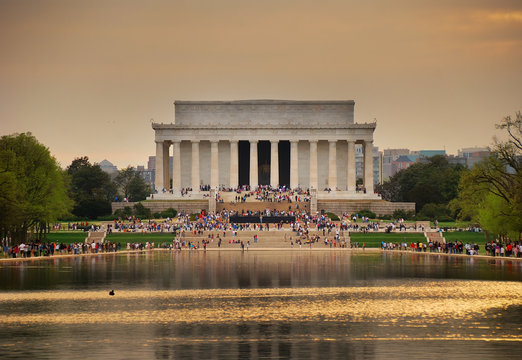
x: 156, y: 215
x: 141, y: 211
x: 446, y: 219
x: 403, y: 214
x: 107, y: 217
x: 123, y: 213
x: 169, y: 213
x: 366, y: 213
x: 385, y: 217
x: 332, y: 216
x: 193, y: 217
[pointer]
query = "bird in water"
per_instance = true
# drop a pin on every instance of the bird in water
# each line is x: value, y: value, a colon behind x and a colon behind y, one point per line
x: 111, y: 293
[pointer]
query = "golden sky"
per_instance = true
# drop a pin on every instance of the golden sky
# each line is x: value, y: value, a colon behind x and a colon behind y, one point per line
x: 87, y: 77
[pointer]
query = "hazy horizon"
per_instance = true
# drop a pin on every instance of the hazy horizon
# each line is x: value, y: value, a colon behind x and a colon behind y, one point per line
x: 86, y: 78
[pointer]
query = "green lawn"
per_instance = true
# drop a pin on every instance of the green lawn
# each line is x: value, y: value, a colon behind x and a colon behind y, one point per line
x: 374, y: 239
x: 466, y: 237
x: 67, y: 236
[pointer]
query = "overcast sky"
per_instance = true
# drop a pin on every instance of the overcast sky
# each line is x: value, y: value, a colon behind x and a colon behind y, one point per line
x: 87, y: 77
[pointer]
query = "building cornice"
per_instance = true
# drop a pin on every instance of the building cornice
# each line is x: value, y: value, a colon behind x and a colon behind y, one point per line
x: 266, y: 102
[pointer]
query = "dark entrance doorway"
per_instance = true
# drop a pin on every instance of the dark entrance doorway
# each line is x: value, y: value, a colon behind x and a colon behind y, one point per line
x: 244, y: 162
x: 263, y: 159
x: 284, y: 163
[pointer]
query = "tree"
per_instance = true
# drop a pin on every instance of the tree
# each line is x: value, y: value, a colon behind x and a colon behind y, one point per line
x: 33, y: 188
x: 491, y: 193
x: 91, y: 189
x: 132, y: 185
x: 138, y: 189
x: 434, y: 181
x: 123, y: 179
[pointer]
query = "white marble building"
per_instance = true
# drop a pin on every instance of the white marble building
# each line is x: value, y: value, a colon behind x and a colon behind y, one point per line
x: 306, y: 144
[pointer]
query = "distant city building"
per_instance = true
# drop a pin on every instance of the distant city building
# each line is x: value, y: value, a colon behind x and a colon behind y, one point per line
x: 377, y: 163
x: 108, y: 167
x: 388, y: 157
x: 429, y: 153
x: 395, y: 160
x: 473, y: 155
x: 147, y: 174
x: 151, y: 164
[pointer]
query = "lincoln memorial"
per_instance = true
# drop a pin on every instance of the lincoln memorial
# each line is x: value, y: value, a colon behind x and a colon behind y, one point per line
x: 297, y: 144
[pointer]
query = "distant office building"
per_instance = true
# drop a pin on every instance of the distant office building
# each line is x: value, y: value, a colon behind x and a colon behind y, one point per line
x: 388, y: 157
x: 377, y: 163
x: 471, y: 156
x: 430, y: 153
x: 151, y: 164
x: 147, y: 174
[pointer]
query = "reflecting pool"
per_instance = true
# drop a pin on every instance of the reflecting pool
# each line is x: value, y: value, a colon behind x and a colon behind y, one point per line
x: 261, y: 305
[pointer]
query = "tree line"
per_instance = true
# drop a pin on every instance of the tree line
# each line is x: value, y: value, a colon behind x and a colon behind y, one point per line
x: 489, y: 194
x: 36, y: 192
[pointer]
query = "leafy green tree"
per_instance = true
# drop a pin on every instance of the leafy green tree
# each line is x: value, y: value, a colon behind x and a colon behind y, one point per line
x: 132, y: 185
x: 91, y: 189
x: 491, y: 193
x: 123, y: 180
x: 434, y: 181
x: 33, y: 188
x: 431, y: 211
x: 141, y: 211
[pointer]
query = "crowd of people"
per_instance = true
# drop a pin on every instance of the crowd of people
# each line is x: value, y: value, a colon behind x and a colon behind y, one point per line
x: 38, y: 249
x: 493, y: 248
x: 305, y: 228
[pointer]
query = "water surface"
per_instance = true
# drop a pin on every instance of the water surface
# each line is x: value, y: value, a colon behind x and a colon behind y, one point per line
x: 261, y: 305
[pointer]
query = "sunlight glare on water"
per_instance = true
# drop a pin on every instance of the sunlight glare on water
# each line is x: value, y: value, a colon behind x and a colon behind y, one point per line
x: 372, y: 310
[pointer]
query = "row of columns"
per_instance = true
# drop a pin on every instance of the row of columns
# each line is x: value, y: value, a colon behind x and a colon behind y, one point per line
x: 163, y: 177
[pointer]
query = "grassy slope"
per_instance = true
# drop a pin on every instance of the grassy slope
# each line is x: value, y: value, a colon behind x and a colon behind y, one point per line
x: 374, y: 239
x: 370, y: 239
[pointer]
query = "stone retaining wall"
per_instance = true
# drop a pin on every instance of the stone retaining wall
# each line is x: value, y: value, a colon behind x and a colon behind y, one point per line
x: 187, y: 206
x: 379, y: 207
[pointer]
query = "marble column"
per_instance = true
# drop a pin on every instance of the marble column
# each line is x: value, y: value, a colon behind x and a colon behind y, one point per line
x: 195, y: 165
x: 214, y: 160
x: 274, y: 163
x: 368, y: 166
x: 234, y: 164
x: 313, y: 164
x: 253, y: 164
x: 332, y: 165
x: 166, y: 165
x: 158, y: 181
x: 294, y: 164
x: 352, y: 181
x: 176, y: 165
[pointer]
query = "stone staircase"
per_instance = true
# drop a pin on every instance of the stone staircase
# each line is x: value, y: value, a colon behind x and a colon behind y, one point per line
x: 252, y: 204
x: 263, y: 205
x: 96, y: 237
x: 434, y: 236
x: 266, y: 239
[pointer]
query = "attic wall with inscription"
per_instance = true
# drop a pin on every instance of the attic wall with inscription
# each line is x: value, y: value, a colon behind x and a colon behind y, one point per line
x: 245, y: 115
